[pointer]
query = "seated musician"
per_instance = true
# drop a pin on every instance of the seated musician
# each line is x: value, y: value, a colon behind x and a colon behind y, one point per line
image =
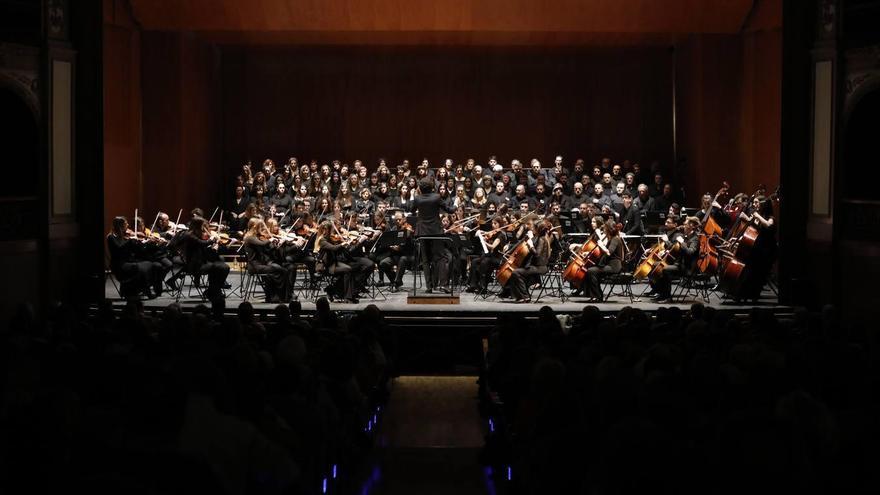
x: 395, y: 261
x: 539, y: 243
x: 610, y: 263
x: 336, y: 258
x: 154, y: 249
x: 258, y: 245
x: 360, y: 260
x: 291, y: 249
x: 134, y: 273
x: 686, y: 249
x: 200, y: 254
x: 484, y: 264
x: 595, y: 227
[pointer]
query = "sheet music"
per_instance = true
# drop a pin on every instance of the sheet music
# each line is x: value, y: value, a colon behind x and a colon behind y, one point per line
x: 483, y: 242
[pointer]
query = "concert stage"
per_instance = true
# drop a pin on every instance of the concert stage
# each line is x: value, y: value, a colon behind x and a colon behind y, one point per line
x: 471, y: 306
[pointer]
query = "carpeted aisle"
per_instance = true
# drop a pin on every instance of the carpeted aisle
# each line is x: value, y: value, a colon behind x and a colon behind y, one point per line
x: 429, y: 439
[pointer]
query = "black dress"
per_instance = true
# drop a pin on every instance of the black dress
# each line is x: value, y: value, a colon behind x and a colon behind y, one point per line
x: 608, y: 265
x: 202, y: 259
x: 273, y: 275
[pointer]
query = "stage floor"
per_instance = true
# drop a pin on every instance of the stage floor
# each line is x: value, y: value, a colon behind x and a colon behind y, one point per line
x: 471, y: 306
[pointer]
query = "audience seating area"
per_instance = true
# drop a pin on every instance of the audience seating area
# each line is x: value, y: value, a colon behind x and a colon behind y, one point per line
x: 682, y: 402
x: 191, y: 403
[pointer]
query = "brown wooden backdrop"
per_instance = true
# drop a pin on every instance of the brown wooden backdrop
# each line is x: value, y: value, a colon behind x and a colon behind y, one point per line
x: 397, y: 102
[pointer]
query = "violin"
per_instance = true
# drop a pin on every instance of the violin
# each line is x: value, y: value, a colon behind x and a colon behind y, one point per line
x: 145, y: 237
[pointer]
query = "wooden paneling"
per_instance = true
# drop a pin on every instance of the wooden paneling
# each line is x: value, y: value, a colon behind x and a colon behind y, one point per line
x: 182, y: 125
x: 438, y: 38
x: 729, y: 109
x: 122, y: 121
x: 396, y: 21
x: 366, y: 103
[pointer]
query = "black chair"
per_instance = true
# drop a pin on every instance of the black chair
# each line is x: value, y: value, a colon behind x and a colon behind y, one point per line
x: 304, y: 287
x: 697, y: 284
x: 251, y: 281
x: 622, y: 281
x: 195, y: 283
x: 551, y: 283
x: 120, y: 283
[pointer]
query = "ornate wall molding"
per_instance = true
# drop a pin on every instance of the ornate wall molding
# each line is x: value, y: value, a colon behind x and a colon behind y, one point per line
x: 19, y: 72
x: 862, y: 75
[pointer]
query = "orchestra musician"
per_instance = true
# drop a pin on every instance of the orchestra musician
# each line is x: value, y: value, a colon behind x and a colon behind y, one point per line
x: 291, y: 250
x: 335, y: 256
x: 154, y: 249
x: 539, y: 242
x: 483, y: 265
x: 258, y: 244
x: 763, y: 253
x: 200, y: 254
x: 610, y: 263
x: 595, y: 227
x: 688, y: 249
x: 394, y: 262
x: 135, y: 274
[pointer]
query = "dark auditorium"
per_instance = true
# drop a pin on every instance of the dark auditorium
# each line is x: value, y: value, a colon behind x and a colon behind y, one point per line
x: 419, y: 247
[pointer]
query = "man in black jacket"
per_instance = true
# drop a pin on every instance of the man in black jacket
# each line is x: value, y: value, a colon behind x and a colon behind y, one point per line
x: 435, y: 256
x: 688, y: 252
x: 631, y: 217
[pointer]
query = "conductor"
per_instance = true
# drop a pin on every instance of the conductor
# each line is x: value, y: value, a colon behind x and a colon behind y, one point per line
x: 435, y: 255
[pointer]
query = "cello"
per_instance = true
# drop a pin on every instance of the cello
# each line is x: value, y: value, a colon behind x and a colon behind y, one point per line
x: 516, y: 258
x: 587, y: 256
x: 656, y: 259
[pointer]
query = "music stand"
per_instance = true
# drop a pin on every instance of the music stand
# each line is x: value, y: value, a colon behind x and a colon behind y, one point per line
x: 387, y: 239
x: 571, y: 225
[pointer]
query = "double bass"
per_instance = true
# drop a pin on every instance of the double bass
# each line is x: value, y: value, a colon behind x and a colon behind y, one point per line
x: 708, y: 259
x: 734, y: 272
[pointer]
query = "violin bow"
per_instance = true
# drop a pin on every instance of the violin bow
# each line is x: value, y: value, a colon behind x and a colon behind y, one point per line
x: 177, y: 223
x: 153, y: 227
x: 212, y: 215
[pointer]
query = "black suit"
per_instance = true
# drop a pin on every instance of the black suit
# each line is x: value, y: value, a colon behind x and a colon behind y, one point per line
x: 428, y: 206
x: 685, y: 264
